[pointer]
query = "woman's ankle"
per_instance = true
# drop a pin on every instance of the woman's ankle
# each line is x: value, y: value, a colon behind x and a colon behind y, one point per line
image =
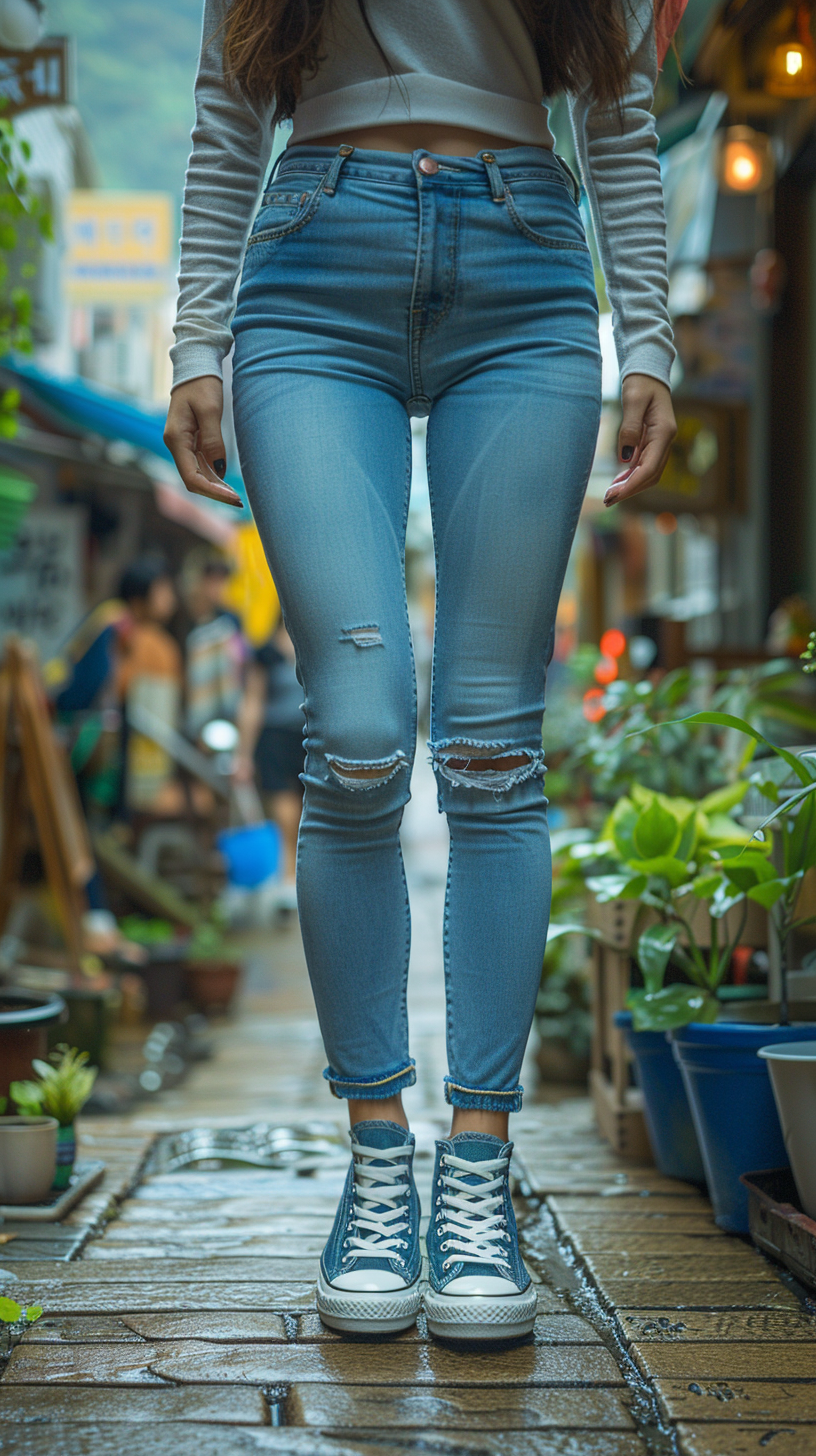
x: 386, y: 1109
x: 475, y: 1119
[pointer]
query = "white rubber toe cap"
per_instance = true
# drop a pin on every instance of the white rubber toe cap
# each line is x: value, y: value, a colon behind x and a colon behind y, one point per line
x: 481, y: 1284
x: 370, y: 1281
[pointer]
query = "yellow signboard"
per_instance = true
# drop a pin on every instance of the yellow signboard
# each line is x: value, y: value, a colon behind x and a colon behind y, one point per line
x: 118, y: 246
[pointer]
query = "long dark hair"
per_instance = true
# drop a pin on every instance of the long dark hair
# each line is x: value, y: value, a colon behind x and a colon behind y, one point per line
x: 270, y: 44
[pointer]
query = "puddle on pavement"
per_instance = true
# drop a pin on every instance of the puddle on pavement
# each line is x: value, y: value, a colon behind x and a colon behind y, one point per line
x: 302, y: 1150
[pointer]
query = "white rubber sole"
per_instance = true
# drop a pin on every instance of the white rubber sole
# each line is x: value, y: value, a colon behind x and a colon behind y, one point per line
x: 481, y: 1317
x: 363, y: 1312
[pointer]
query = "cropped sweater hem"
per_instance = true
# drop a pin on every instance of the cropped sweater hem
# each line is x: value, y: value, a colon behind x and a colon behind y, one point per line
x: 411, y: 97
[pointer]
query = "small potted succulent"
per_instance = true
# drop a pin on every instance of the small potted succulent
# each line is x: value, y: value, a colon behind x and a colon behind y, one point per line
x: 64, y: 1086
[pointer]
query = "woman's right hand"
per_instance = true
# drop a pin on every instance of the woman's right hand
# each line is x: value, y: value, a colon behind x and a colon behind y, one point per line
x: 193, y: 437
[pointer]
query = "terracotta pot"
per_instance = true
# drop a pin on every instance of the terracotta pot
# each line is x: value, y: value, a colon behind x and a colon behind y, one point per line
x: 25, y: 1018
x: 28, y: 1158
x: 211, y: 985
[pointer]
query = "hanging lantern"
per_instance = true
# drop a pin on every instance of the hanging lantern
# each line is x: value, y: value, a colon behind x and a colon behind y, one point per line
x: 746, y: 160
x: 791, y: 71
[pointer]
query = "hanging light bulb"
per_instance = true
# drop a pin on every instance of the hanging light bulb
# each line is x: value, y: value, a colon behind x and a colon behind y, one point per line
x: 791, y: 69
x: 746, y: 160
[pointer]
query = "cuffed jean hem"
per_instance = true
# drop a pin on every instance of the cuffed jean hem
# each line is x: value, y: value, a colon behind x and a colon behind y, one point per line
x: 371, y: 1089
x: 487, y: 1101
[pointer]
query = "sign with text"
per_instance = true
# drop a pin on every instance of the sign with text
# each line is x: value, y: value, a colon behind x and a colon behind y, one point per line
x: 41, y: 591
x: 41, y: 77
x: 118, y: 247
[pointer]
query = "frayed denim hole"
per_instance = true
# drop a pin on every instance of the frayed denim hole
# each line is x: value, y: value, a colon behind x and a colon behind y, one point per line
x: 367, y: 635
x: 358, y: 775
x: 447, y: 757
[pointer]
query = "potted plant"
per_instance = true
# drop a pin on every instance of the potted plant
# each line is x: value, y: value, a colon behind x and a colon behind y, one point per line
x: 212, y: 969
x: 727, y: 1083
x: 64, y: 1086
x: 666, y: 854
x: 25, y: 1020
x: 28, y: 1157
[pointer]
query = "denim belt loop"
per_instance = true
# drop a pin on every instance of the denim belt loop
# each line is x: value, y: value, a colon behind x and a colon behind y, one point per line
x: 494, y: 176
x: 330, y: 179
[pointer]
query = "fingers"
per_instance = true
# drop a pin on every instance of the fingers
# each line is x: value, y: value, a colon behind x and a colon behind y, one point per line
x: 630, y: 434
x: 645, y: 473
x: 193, y: 437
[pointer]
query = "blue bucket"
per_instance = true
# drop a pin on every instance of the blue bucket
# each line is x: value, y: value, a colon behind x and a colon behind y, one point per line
x: 252, y: 853
x: 733, y: 1108
x: 665, y: 1104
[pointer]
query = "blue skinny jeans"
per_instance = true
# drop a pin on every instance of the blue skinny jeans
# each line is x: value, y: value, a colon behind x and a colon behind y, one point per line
x: 376, y: 286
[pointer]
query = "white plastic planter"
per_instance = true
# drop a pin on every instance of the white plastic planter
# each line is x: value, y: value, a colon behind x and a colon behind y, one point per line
x: 792, y: 1066
x: 28, y: 1158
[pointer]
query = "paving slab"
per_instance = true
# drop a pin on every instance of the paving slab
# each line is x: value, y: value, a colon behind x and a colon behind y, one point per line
x: 747, y: 1440
x: 723, y: 1361
x: 103, y: 1437
x: 212, y: 1225
x: 631, y: 1246
x: 229, y: 1244
x: 726, y: 1264
x: 726, y: 1325
x: 94, y: 1364
x: 338, y: 1407
x: 788, y: 1402
x: 80, y: 1330
x: 57, y: 1297
x: 228, y: 1405
x: 659, y: 1294
x: 195, y: 1271
x: 624, y: 1202
x: 378, y: 1363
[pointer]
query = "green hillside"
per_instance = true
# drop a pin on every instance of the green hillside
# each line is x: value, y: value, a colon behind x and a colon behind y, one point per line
x: 136, y: 61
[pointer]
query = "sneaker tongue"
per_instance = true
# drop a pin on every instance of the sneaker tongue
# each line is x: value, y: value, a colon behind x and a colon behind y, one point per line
x: 380, y: 1134
x: 475, y: 1147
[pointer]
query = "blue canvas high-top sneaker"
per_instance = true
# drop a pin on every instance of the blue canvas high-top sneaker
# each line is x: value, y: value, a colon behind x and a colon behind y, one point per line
x: 478, y: 1288
x: 368, y: 1281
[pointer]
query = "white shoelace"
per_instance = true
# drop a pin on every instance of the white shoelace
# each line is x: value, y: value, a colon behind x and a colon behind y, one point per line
x: 379, y: 1228
x: 472, y: 1215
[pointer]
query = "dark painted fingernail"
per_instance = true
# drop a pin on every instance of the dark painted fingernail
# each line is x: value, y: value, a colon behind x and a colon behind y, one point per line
x: 626, y: 453
x: 220, y: 467
x: 611, y: 498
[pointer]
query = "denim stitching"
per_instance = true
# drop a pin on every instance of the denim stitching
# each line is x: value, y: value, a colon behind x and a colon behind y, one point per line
x: 452, y: 260
x: 414, y: 329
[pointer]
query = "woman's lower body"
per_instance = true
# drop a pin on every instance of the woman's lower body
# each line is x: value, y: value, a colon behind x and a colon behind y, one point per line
x: 379, y: 285
x: 278, y: 765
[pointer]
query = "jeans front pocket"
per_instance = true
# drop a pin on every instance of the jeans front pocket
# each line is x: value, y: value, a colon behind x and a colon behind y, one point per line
x: 284, y: 209
x: 543, y: 210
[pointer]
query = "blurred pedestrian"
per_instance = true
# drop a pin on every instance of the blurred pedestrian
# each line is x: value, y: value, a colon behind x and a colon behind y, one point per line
x: 270, y: 744
x: 214, y: 648
x: 149, y: 678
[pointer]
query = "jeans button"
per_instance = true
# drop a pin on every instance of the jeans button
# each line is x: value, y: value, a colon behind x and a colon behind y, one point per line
x: 428, y: 165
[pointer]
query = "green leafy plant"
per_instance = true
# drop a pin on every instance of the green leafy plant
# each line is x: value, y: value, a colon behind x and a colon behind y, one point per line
x: 644, y: 735
x: 788, y: 780
x: 23, y: 219
x: 14, y: 1321
x: 146, y: 932
x: 63, y: 1088
x: 671, y: 855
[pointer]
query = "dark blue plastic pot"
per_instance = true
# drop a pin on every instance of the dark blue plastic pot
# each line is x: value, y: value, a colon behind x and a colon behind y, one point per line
x: 665, y: 1104
x: 733, y: 1108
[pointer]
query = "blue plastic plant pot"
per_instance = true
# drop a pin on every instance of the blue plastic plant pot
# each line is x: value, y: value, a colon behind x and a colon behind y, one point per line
x: 665, y: 1104
x: 733, y: 1108
x: 252, y: 853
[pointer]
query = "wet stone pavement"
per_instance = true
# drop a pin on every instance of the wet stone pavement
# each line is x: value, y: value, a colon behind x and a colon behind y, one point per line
x: 180, y: 1303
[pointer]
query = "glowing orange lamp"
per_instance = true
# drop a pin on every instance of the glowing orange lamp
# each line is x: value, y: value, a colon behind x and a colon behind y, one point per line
x: 746, y: 160
x: 791, y: 71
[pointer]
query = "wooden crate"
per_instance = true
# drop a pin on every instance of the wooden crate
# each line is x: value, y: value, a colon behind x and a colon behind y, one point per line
x: 618, y: 1104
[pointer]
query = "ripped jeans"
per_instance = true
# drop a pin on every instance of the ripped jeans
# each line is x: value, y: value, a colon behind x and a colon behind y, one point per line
x: 378, y: 285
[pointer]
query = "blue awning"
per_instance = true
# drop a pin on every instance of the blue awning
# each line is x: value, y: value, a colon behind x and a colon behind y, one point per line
x: 94, y: 411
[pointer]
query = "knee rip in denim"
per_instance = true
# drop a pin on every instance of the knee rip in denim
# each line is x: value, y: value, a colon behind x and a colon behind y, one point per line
x: 356, y: 774
x: 366, y: 635
x: 494, y: 767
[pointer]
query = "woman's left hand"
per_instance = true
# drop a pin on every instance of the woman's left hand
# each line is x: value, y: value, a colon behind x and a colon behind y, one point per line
x: 645, y: 436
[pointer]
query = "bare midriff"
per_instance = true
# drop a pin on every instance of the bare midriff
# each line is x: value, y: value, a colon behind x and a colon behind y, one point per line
x: 446, y: 141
